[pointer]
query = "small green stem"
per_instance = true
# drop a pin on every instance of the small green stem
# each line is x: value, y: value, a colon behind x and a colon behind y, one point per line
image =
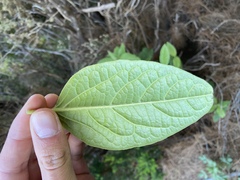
x: 29, y: 112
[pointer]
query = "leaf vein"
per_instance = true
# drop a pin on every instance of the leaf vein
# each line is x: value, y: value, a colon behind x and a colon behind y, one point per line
x: 135, y: 124
x: 170, y: 115
x: 79, y: 122
x: 90, y: 88
x: 144, y: 72
x: 62, y: 109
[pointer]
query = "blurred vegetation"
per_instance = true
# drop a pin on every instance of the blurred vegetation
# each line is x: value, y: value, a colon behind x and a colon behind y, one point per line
x: 220, y: 170
x: 139, y: 163
x: 30, y: 50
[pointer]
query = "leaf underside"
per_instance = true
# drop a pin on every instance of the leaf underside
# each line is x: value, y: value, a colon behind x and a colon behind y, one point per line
x: 125, y: 104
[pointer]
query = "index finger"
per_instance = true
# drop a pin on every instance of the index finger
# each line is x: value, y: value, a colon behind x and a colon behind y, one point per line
x: 18, y: 146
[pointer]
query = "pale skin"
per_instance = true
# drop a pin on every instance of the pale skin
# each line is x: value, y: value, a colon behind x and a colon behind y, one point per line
x: 33, y: 152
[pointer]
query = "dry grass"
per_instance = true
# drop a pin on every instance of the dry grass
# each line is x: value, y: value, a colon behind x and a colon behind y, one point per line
x: 214, y: 28
x: 181, y: 160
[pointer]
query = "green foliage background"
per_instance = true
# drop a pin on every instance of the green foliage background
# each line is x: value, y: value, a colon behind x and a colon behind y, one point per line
x: 140, y: 163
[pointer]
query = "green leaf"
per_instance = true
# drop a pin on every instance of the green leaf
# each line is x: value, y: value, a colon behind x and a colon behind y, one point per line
x: 146, y: 54
x: 213, y: 108
x: 172, y: 49
x: 164, y: 55
x: 216, y: 117
x: 125, y: 104
x: 129, y: 56
x: 112, y: 56
x: 106, y: 59
x: 119, y: 50
x: 177, y: 62
x: 221, y: 113
x: 225, y: 104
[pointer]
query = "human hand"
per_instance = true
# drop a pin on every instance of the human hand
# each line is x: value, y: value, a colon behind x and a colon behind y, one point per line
x: 37, y: 146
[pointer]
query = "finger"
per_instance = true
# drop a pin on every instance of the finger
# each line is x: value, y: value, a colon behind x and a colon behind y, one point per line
x: 18, y: 146
x: 76, y: 148
x: 33, y: 167
x: 34, y: 170
x: 51, y: 146
x: 51, y: 100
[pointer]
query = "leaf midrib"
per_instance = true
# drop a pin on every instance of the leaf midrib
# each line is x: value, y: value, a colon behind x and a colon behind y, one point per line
x: 124, y: 105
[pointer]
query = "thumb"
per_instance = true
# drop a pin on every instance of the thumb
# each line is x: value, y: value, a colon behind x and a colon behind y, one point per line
x: 51, y: 146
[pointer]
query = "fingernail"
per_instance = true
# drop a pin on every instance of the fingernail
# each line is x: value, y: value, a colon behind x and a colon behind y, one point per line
x: 44, y: 124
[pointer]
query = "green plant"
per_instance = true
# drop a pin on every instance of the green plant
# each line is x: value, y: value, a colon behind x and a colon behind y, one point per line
x: 139, y: 163
x: 119, y: 52
x: 168, y: 55
x: 214, y: 170
x: 146, y: 167
x: 219, y: 109
x: 146, y: 54
x: 126, y: 104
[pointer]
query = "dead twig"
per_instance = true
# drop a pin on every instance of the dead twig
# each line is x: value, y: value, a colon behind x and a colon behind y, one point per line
x: 142, y: 31
x: 49, y: 52
x: 156, y: 31
x: 224, y: 22
x: 99, y: 8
